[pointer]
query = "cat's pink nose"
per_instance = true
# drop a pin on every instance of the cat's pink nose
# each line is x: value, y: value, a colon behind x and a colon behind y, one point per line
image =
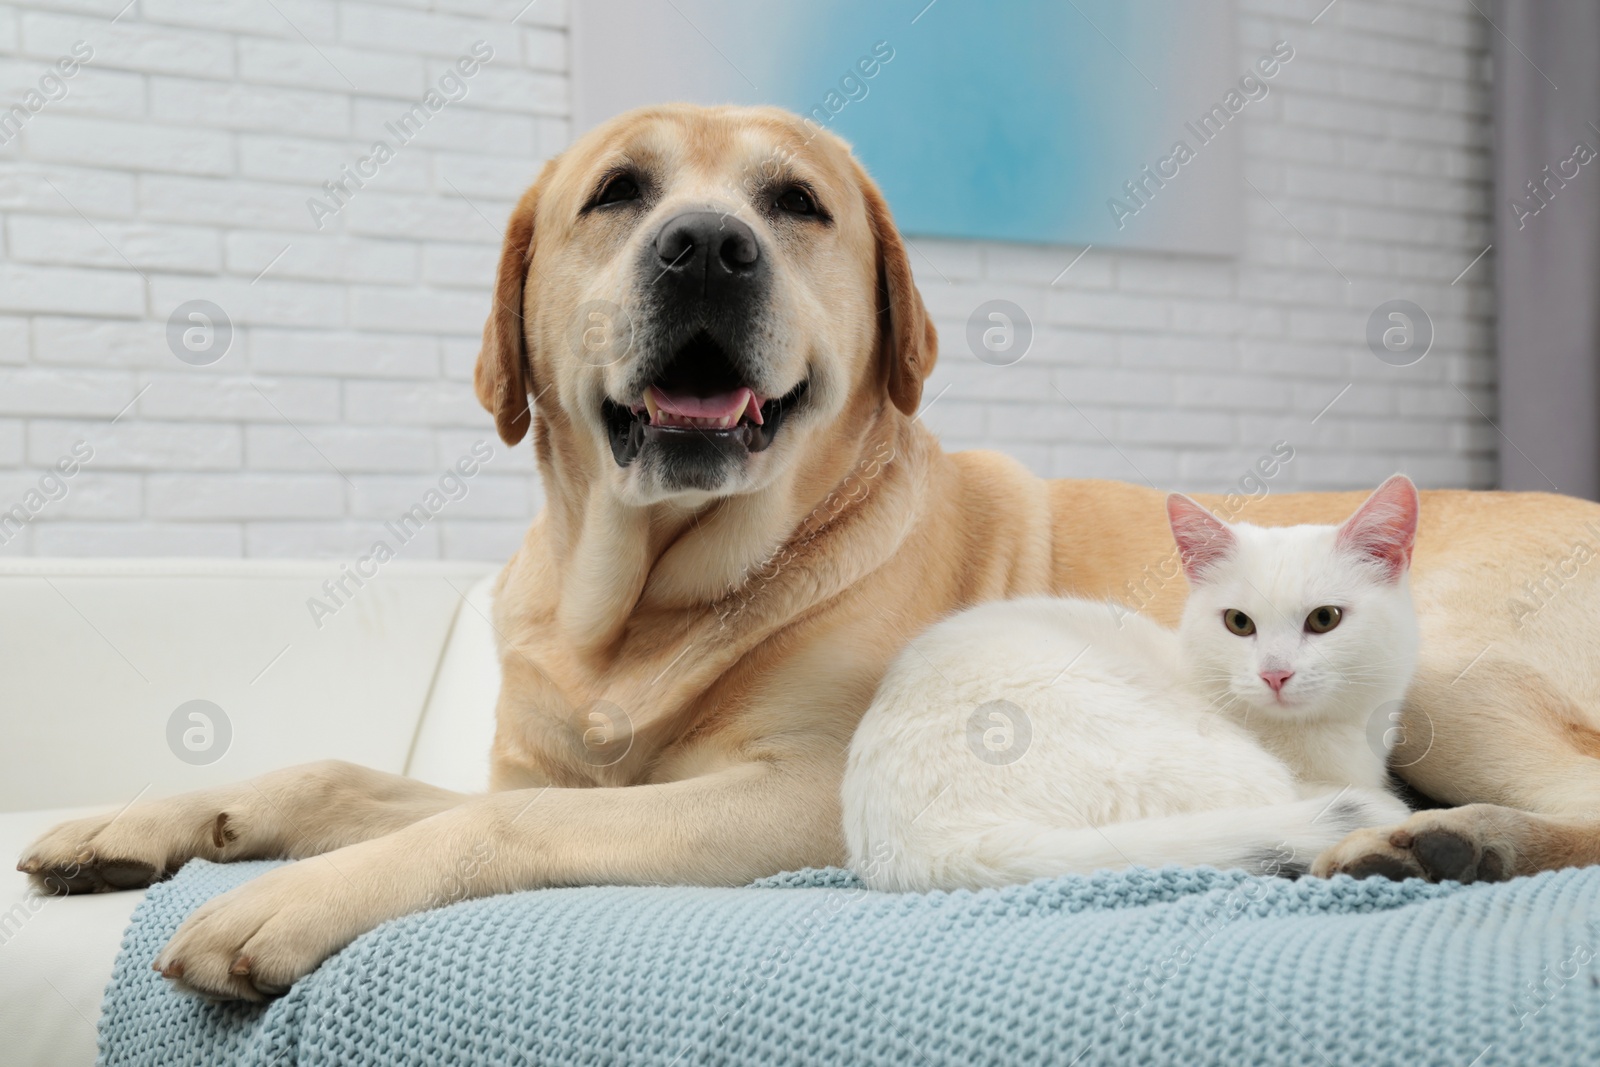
x: 1276, y: 679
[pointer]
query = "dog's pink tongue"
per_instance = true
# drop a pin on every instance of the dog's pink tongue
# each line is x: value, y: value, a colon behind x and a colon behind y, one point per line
x: 721, y: 406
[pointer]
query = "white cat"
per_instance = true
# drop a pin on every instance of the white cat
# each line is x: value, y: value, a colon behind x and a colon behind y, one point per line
x: 1029, y: 738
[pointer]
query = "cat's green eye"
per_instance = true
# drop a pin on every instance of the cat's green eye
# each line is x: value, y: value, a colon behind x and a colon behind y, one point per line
x: 1323, y: 619
x: 1238, y: 622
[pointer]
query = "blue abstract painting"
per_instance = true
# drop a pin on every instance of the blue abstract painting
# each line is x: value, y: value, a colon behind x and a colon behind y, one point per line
x: 1047, y: 121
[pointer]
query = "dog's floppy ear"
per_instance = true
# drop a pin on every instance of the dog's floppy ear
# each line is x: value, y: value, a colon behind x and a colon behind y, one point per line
x: 503, y: 375
x: 910, y: 343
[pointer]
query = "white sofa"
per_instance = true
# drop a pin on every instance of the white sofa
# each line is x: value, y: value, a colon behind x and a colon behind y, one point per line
x: 96, y: 657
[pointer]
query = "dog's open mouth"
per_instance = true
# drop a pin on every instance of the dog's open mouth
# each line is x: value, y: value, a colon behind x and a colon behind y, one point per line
x: 699, y: 398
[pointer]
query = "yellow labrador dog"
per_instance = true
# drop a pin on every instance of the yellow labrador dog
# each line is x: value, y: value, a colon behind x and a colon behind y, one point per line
x: 706, y: 321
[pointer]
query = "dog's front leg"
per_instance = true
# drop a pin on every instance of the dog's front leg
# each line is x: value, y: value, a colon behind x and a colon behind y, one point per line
x: 291, y: 813
x: 725, y: 828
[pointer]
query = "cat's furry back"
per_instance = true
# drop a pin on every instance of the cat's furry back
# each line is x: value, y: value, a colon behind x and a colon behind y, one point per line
x: 1040, y: 737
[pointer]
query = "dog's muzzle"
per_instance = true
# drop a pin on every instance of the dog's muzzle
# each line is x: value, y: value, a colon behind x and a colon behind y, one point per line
x: 701, y: 397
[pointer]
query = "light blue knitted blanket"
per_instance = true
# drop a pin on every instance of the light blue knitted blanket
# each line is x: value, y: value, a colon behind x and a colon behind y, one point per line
x: 1146, y: 967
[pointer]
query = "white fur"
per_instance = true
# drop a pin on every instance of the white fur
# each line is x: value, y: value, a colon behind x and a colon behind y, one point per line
x: 1135, y: 745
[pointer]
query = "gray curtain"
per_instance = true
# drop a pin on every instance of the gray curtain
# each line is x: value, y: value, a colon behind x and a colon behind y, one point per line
x: 1546, y: 89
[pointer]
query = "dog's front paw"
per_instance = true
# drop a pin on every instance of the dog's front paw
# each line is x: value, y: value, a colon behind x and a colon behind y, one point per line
x: 1452, y: 844
x: 123, y: 850
x: 255, y: 941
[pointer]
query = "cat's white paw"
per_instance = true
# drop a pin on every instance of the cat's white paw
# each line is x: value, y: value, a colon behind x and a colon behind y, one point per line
x: 1357, y: 808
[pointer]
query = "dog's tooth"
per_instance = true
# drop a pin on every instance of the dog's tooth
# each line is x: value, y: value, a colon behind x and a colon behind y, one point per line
x: 650, y: 404
x: 661, y: 417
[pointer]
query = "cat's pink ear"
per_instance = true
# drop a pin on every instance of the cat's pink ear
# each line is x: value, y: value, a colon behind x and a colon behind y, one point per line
x: 1385, y: 527
x: 1203, y: 539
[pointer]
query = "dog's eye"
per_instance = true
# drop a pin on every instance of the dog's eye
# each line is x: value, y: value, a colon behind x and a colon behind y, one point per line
x: 1238, y: 622
x: 1323, y: 619
x: 621, y: 187
x: 796, y: 201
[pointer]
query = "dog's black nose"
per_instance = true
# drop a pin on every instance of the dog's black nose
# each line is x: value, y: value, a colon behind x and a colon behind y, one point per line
x: 708, y: 247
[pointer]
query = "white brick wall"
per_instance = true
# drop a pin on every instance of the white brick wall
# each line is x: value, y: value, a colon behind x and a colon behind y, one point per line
x: 179, y: 163
x: 1369, y: 167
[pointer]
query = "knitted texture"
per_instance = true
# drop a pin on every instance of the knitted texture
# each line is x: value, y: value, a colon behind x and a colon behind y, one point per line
x: 1177, y: 966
